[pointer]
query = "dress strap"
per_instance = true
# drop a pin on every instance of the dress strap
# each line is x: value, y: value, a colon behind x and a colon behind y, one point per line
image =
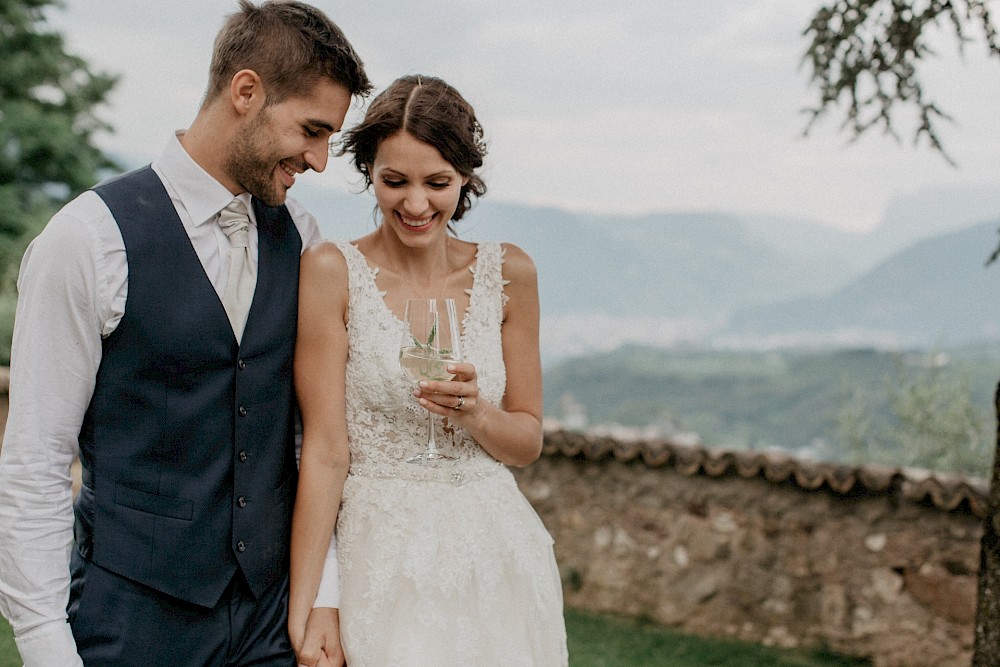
x: 486, y: 298
x: 355, y: 260
x: 488, y: 272
x: 365, y: 301
x: 360, y: 273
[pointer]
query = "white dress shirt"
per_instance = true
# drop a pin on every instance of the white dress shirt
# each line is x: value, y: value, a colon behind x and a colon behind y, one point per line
x: 73, y: 287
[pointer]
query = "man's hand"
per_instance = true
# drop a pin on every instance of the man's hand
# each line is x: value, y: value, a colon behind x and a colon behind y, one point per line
x: 321, y: 643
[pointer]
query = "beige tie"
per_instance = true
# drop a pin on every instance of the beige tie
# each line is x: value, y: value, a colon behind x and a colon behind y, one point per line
x: 242, y: 272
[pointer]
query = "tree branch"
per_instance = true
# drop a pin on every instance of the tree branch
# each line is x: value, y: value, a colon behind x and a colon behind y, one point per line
x: 865, y: 55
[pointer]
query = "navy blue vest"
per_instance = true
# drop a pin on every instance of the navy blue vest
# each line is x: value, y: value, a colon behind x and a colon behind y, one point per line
x: 188, y: 443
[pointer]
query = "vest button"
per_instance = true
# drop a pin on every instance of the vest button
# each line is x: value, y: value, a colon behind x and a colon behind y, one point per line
x: 243, y: 411
x: 240, y: 546
x: 243, y: 457
x: 241, y: 364
x: 241, y: 501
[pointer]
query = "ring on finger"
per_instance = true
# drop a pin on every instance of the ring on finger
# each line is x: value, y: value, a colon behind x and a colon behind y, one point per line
x: 461, y: 402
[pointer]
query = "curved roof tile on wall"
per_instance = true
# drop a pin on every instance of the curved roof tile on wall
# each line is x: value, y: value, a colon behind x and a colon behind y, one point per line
x: 945, y: 491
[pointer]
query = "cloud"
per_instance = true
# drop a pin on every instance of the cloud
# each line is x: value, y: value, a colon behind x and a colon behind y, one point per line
x: 639, y: 106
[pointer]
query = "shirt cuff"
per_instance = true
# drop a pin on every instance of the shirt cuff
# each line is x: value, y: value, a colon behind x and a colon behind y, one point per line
x: 48, y: 644
x: 328, y: 594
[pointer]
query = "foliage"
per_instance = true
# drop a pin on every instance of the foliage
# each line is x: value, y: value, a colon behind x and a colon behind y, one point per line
x: 933, y: 422
x: 48, y: 122
x: 866, y: 53
x: 794, y: 400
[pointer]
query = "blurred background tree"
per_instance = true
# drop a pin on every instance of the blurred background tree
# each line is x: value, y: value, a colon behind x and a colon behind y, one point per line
x: 865, y: 57
x: 48, y: 120
x: 931, y: 421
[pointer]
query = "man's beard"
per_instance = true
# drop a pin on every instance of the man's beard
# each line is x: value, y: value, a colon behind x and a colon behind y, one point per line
x: 252, y: 160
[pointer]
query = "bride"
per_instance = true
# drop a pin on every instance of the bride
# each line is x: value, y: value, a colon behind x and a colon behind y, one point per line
x: 442, y: 564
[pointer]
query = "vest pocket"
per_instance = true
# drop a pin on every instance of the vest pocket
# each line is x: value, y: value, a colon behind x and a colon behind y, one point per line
x: 151, y: 503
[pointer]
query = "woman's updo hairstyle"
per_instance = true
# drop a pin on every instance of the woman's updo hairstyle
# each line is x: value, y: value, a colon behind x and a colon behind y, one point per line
x: 431, y: 111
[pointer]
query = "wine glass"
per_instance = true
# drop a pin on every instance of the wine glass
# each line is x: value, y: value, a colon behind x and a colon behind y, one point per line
x: 430, y: 342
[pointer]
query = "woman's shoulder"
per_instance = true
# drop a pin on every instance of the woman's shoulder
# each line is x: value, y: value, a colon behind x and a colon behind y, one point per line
x: 516, y: 262
x: 326, y: 258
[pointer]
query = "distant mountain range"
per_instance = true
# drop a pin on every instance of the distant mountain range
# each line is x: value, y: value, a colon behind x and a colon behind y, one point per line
x: 937, y: 292
x: 720, y: 279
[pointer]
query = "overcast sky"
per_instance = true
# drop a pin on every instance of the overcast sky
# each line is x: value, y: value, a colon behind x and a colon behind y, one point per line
x: 625, y: 106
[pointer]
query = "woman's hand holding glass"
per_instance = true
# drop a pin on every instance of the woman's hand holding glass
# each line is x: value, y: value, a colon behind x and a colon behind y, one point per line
x: 456, y: 399
x: 430, y: 347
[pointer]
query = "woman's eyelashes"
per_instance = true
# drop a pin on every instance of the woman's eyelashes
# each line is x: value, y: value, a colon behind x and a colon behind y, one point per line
x: 399, y: 182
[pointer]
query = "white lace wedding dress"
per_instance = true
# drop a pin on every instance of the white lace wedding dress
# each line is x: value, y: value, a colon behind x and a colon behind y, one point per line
x: 442, y: 565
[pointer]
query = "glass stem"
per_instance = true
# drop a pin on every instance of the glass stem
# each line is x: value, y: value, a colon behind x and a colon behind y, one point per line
x: 431, y: 445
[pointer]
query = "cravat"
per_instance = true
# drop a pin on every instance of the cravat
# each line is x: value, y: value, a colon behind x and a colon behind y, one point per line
x: 242, y: 272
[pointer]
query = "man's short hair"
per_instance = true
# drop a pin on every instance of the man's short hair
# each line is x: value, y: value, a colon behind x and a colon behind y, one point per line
x: 290, y: 45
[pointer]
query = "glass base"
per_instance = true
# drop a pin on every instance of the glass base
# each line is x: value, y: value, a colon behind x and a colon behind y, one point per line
x: 430, y: 457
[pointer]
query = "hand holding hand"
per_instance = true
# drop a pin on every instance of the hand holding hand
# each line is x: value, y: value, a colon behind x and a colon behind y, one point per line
x: 321, y: 645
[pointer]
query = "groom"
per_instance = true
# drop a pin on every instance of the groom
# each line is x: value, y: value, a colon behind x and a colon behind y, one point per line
x: 154, y: 335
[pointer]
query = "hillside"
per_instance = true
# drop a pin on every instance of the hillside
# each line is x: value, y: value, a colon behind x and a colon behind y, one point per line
x: 700, y: 265
x: 932, y: 211
x: 937, y: 292
x: 790, y: 399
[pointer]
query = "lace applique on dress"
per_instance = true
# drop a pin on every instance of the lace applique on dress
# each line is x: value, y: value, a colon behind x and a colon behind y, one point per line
x: 436, y: 560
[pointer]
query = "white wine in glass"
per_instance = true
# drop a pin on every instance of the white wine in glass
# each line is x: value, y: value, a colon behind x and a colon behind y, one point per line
x: 430, y: 342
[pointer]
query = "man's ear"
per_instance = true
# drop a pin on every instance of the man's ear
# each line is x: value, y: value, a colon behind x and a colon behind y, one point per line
x: 246, y: 91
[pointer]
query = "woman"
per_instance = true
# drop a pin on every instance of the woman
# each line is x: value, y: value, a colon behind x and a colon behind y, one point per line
x: 443, y: 564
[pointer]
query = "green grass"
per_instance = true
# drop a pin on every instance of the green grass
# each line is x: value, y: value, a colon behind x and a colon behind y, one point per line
x: 602, y: 641
x: 8, y: 654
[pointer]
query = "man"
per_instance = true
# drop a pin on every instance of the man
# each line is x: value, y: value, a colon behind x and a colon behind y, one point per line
x: 160, y: 348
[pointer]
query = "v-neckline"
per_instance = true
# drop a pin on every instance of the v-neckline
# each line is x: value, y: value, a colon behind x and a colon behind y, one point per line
x: 466, y: 313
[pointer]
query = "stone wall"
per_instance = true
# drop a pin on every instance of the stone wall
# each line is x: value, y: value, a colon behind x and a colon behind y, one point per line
x: 875, y: 563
